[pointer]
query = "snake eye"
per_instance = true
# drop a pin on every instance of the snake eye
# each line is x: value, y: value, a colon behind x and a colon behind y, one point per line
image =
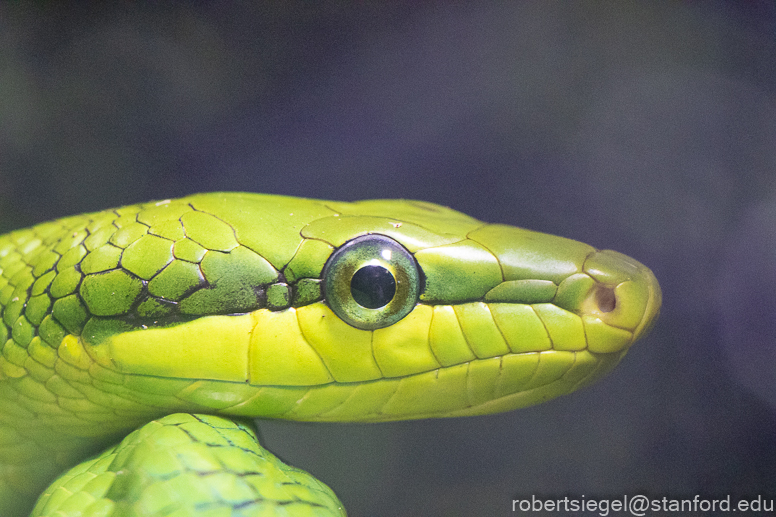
x: 371, y: 282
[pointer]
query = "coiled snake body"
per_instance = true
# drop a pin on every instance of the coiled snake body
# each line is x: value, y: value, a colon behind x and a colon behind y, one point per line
x: 165, y: 327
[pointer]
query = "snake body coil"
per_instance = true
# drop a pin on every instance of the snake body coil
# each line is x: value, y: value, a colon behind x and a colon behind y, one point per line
x: 195, y: 313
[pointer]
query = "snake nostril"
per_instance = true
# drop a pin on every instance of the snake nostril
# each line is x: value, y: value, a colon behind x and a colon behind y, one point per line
x: 605, y: 299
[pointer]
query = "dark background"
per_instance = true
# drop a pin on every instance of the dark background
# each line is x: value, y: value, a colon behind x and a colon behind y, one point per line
x: 649, y: 128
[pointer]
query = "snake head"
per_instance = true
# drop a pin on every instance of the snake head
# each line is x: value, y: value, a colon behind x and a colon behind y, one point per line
x: 272, y: 306
x: 503, y: 317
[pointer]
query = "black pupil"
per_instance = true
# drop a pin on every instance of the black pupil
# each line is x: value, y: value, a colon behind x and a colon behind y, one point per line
x: 373, y: 287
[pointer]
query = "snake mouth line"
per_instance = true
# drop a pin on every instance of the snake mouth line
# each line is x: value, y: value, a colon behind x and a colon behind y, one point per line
x: 542, y: 384
x: 518, y: 380
x: 515, y: 380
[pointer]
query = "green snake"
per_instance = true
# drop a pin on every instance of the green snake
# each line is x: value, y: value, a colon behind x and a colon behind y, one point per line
x: 156, y: 332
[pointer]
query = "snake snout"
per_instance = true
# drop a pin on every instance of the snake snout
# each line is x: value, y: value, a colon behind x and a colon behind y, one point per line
x: 626, y: 294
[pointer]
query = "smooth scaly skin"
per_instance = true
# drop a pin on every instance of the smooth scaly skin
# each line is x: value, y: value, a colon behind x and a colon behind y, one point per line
x: 212, y: 304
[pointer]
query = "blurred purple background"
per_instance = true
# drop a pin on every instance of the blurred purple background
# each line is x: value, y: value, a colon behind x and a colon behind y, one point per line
x: 649, y: 128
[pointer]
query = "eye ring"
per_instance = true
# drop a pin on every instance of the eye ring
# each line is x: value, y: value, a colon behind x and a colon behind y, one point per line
x: 371, y: 282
